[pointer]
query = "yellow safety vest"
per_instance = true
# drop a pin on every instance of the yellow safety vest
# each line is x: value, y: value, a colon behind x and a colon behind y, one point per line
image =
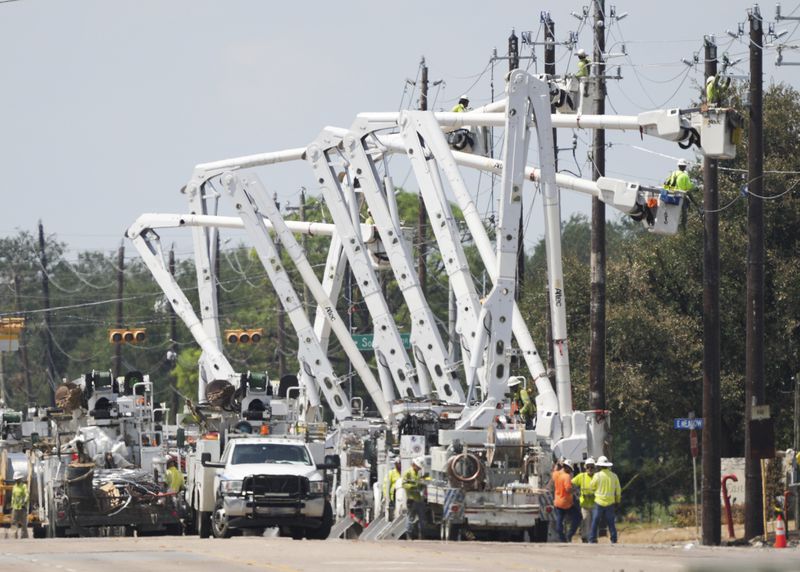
x: 582, y: 481
x: 606, y: 489
x: 459, y: 108
x: 679, y: 181
x: 583, y: 67
x: 412, y: 483
x: 19, y: 496
x: 175, y: 480
x: 389, y: 483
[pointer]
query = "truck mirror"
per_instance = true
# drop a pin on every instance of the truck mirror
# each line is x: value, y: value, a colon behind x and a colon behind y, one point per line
x: 333, y: 461
x: 205, y: 458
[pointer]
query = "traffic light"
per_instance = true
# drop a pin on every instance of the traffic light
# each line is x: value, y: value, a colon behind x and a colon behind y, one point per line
x: 127, y: 336
x: 244, y: 336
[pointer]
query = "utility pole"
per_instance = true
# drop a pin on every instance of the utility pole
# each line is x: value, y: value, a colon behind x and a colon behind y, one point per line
x: 597, y: 306
x: 754, y: 386
x: 513, y: 63
x: 550, y: 70
x: 304, y: 239
x: 23, y: 347
x: 711, y: 338
x: 120, y: 318
x: 796, y: 446
x: 281, y: 316
x: 173, y: 335
x: 422, y: 220
x: 52, y: 374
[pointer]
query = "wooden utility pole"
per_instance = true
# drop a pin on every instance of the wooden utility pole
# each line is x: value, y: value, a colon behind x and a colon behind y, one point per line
x: 52, y: 374
x: 120, y: 318
x: 422, y: 219
x: 23, y: 347
x: 550, y: 70
x: 281, y: 314
x: 513, y: 63
x: 754, y: 364
x: 710, y: 490
x: 173, y: 336
x: 597, y: 306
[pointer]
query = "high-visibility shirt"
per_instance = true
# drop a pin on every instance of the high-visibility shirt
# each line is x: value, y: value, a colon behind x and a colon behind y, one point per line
x: 389, y: 483
x: 563, y: 490
x: 606, y: 489
x: 412, y: 483
x: 175, y: 480
x: 583, y: 67
x: 716, y: 89
x: 582, y: 481
x: 679, y: 181
x: 459, y: 108
x: 19, y: 496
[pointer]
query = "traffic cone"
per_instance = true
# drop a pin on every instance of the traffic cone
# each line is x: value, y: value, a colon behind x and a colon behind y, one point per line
x: 780, y: 533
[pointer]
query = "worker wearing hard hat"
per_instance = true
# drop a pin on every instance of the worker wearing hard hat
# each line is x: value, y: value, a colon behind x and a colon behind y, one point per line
x: 679, y: 179
x: 390, y: 486
x: 716, y: 89
x: 564, y: 502
x: 522, y: 399
x: 414, y: 485
x: 582, y: 481
x: 462, y: 105
x: 19, y: 506
x: 583, y: 64
x: 607, y: 494
x: 174, y: 478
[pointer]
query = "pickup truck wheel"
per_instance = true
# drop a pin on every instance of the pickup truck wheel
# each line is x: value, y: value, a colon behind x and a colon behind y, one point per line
x: 203, y: 524
x: 219, y: 521
x: 324, y: 529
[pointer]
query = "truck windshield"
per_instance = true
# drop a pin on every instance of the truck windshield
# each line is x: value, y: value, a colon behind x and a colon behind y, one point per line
x: 253, y: 453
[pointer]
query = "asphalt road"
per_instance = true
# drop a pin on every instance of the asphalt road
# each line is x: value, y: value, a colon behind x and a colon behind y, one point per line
x: 285, y: 555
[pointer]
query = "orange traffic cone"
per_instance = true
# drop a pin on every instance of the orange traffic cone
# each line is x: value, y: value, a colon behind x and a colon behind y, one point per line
x: 780, y: 533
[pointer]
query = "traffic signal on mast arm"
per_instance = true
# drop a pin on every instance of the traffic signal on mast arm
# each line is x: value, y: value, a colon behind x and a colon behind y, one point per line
x: 127, y: 336
x: 244, y: 336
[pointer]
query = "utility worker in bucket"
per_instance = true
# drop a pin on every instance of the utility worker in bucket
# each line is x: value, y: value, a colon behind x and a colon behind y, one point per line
x: 679, y: 179
x: 716, y: 89
x: 582, y: 75
x: 19, y: 506
x: 414, y: 484
x: 462, y: 105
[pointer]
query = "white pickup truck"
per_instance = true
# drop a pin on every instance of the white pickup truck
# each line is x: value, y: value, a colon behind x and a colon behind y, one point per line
x: 263, y: 482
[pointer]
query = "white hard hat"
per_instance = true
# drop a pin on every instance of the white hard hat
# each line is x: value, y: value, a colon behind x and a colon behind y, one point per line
x: 567, y: 463
x: 581, y: 53
x: 419, y: 461
x: 682, y: 163
x: 515, y: 380
x: 18, y: 475
x: 603, y: 461
x: 590, y: 461
x: 463, y: 97
x: 709, y: 79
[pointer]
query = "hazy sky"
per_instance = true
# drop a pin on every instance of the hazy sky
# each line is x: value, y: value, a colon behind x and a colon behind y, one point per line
x: 106, y: 105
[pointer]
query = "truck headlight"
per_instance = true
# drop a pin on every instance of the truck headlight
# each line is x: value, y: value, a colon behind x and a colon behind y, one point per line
x: 230, y: 487
x: 317, y: 487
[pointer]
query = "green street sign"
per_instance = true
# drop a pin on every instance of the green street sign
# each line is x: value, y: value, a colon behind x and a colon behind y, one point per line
x: 364, y: 341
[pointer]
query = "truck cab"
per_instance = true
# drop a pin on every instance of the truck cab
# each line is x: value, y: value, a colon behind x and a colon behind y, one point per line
x: 263, y: 482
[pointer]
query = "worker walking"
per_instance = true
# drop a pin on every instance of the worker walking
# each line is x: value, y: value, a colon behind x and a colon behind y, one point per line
x: 582, y: 481
x: 462, y: 105
x: 413, y: 485
x: 716, y: 89
x: 390, y: 486
x: 607, y: 494
x: 19, y: 506
x: 679, y: 179
x: 564, y: 502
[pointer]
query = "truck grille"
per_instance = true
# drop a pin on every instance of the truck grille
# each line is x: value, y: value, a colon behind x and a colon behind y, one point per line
x: 276, y: 485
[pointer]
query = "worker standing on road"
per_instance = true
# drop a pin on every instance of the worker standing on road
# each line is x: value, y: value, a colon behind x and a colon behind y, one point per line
x: 389, y: 487
x: 679, y: 179
x: 462, y: 105
x: 174, y: 477
x: 607, y: 494
x: 414, y: 485
x: 19, y: 506
x: 582, y: 481
x: 564, y: 502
